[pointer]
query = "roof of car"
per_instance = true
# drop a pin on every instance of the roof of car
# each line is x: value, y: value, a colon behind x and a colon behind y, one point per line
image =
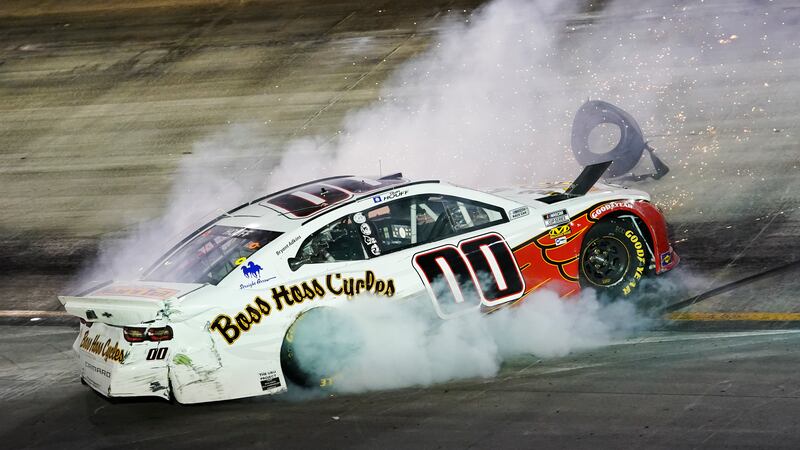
x: 290, y: 208
x: 312, y: 199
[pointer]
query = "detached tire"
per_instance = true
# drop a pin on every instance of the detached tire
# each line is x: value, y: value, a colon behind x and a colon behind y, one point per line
x: 318, y: 346
x: 614, y: 258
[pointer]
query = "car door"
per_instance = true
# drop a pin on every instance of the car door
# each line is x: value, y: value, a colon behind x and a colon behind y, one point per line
x: 333, y: 260
x: 446, y: 247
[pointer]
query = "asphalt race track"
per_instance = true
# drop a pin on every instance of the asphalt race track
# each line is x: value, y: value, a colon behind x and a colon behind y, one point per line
x: 661, y: 391
x: 103, y: 101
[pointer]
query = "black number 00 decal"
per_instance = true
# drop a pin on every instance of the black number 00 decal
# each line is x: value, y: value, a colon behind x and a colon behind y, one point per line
x: 157, y: 353
x: 479, y: 270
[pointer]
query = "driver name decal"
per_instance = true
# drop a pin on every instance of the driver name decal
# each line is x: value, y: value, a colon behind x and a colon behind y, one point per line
x: 232, y: 328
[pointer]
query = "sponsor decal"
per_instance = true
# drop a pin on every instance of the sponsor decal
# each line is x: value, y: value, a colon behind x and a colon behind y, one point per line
x: 561, y: 230
x: 371, y: 242
x: 231, y: 328
x: 350, y: 287
x: 291, y: 242
x: 561, y: 241
x: 137, y: 291
x: 604, y: 208
x: 269, y: 380
x: 335, y: 284
x: 666, y: 258
x: 92, y: 368
x: 359, y: 218
x: 255, y: 283
x: 518, y: 212
x: 251, y: 270
x: 637, y: 243
x: 103, y: 349
x: 554, y: 218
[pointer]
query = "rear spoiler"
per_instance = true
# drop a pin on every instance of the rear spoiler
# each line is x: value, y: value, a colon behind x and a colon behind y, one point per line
x: 122, y: 304
x: 113, y: 311
x: 588, y: 177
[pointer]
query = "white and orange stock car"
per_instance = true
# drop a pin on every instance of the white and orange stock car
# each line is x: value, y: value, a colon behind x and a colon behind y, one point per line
x: 216, y: 317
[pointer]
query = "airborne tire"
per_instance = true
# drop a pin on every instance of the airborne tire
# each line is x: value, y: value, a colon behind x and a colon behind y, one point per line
x: 318, y: 346
x: 614, y: 259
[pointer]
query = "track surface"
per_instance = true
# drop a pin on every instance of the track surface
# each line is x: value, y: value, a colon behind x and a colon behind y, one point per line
x: 100, y: 103
x: 698, y: 390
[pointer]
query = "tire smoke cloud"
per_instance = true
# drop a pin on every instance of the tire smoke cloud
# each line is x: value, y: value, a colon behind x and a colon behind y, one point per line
x: 406, y: 344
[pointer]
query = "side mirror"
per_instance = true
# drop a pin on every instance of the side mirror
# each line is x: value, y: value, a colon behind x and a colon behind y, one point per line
x: 294, y: 263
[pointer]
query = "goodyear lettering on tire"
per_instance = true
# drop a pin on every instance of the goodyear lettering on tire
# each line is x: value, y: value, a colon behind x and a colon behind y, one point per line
x: 639, y: 271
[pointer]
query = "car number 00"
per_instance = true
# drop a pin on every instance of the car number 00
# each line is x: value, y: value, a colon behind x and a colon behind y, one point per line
x: 157, y: 353
x: 479, y: 270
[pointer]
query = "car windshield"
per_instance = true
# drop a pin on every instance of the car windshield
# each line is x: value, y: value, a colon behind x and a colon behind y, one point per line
x: 211, y: 255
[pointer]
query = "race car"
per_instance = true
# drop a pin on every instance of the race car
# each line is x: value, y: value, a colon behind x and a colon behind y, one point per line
x: 219, y: 315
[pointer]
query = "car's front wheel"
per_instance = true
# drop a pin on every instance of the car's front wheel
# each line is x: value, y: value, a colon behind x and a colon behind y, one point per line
x: 318, y: 346
x: 614, y: 258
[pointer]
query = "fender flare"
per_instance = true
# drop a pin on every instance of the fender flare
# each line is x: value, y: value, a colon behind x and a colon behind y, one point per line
x: 665, y: 256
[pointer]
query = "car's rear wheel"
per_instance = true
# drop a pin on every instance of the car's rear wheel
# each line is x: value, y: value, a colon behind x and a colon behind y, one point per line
x: 318, y: 346
x: 614, y: 258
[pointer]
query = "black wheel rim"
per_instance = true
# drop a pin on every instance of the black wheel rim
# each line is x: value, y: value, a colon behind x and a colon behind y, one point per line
x: 605, y: 261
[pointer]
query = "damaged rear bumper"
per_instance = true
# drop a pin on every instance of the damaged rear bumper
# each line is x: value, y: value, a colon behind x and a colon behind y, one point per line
x: 116, y: 368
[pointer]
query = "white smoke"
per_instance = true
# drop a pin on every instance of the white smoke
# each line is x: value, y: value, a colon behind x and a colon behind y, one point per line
x: 403, y: 344
x: 222, y: 171
x: 477, y: 108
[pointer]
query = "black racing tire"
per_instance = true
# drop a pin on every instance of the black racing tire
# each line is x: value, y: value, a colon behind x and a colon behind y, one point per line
x: 614, y: 259
x: 318, y: 346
